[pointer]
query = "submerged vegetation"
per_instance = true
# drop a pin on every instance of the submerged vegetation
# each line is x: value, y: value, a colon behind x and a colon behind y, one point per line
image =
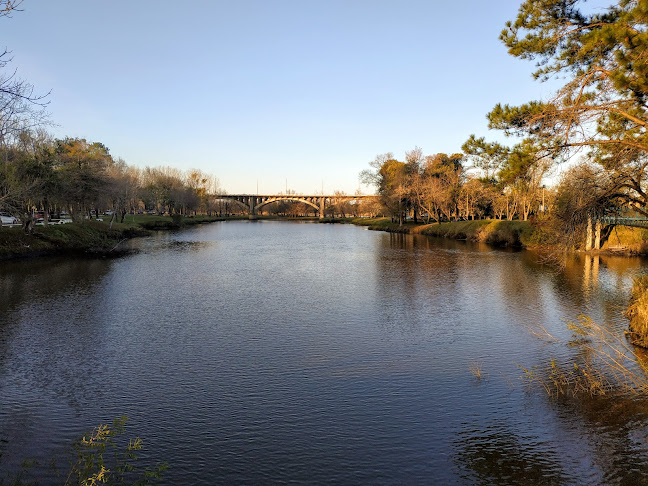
x: 101, y: 456
x: 603, y: 364
x: 476, y: 370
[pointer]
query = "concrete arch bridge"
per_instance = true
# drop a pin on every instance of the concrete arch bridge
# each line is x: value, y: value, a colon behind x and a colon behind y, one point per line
x: 254, y: 202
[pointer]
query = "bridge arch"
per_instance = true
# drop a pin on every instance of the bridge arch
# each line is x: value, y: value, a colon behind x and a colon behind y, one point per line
x: 287, y: 198
x: 232, y: 199
x: 254, y: 202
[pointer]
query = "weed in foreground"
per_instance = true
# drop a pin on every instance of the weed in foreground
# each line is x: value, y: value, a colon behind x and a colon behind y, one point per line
x: 476, y: 370
x: 604, y: 363
x: 99, y: 457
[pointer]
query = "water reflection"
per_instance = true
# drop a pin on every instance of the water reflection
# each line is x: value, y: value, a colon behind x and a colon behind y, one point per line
x: 271, y: 353
x: 28, y: 281
x: 614, y: 428
x: 495, y: 455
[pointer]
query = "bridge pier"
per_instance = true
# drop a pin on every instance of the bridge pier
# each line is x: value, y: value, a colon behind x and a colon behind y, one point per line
x: 252, y: 206
x: 594, y: 235
x: 597, y: 235
x: 588, y: 235
x: 321, y: 207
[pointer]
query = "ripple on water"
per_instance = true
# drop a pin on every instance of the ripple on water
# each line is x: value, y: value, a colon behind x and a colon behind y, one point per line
x: 262, y: 352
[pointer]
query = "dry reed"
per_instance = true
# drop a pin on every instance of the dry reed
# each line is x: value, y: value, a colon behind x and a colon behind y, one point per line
x: 604, y: 363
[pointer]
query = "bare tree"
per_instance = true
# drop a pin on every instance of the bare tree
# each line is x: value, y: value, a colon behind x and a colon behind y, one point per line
x: 21, y: 108
x: 8, y: 6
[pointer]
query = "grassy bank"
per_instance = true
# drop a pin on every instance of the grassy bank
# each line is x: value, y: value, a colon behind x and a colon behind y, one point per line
x: 627, y: 240
x: 493, y: 232
x: 90, y: 238
x: 517, y: 234
x: 99, y: 238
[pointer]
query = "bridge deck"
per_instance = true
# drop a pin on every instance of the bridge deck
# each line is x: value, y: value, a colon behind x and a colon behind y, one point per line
x: 634, y: 222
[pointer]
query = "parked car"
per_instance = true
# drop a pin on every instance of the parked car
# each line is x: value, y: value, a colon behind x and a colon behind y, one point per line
x: 8, y: 219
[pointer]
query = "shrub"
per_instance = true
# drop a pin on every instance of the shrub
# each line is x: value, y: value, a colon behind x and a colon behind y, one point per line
x: 637, y: 312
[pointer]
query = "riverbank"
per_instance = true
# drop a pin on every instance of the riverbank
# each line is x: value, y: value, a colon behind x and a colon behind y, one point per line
x: 91, y: 238
x: 516, y: 234
x: 96, y: 238
x: 504, y: 233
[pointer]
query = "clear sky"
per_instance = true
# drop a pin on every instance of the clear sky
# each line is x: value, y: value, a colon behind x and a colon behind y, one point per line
x: 302, y: 93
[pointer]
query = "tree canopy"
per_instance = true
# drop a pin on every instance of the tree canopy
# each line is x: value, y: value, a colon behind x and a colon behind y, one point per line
x: 603, y: 58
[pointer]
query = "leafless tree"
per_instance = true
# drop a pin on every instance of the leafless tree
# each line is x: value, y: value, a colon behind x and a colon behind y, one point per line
x: 21, y: 108
x: 8, y: 6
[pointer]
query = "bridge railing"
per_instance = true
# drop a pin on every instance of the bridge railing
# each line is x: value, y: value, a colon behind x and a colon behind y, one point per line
x: 625, y: 221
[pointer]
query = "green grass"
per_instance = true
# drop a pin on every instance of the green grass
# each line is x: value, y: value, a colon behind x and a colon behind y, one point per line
x: 100, y: 237
x: 158, y: 222
x: 90, y: 237
x: 628, y: 240
x: 494, y: 232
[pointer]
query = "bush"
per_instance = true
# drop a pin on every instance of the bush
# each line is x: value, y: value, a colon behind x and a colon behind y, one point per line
x: 637, y: 312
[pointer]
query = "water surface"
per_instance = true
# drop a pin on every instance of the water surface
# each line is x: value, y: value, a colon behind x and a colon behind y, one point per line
x: 269, y: 352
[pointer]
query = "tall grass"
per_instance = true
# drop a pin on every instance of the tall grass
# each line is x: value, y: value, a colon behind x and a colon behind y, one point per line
x: 604, y: 363
x: 637, y: 312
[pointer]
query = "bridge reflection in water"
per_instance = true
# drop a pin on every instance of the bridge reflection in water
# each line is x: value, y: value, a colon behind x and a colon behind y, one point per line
x: 254, y: 202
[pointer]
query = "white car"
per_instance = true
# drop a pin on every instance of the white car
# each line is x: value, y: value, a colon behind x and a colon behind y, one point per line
x: 6, y: 219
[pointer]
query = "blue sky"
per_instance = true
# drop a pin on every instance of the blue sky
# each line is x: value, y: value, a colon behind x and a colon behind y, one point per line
x: 304, y: 92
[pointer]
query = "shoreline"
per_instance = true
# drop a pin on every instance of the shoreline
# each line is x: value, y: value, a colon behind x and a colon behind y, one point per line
x: 510, y: 234
x: 94, y: 239
x: 90, y: 239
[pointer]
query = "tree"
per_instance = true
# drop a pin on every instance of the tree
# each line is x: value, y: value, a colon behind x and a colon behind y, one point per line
x: 123, y: 189
x: 584, y: 194
x: 487, y: 156
x: 436, y: 187
x: 390, y: 178
x: 342, y: 204
x: 473, y: 198
x: 413, y: 166
x: 603, y: 105
x: 523, y: 172
x: 20, y: 110
x: 83, y: 169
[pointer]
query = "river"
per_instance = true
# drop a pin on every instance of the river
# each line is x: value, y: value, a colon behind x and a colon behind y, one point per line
x: 276, y: 352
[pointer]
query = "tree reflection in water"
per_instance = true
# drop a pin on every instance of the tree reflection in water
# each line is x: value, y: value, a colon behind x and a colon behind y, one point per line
x: 496, y: 455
